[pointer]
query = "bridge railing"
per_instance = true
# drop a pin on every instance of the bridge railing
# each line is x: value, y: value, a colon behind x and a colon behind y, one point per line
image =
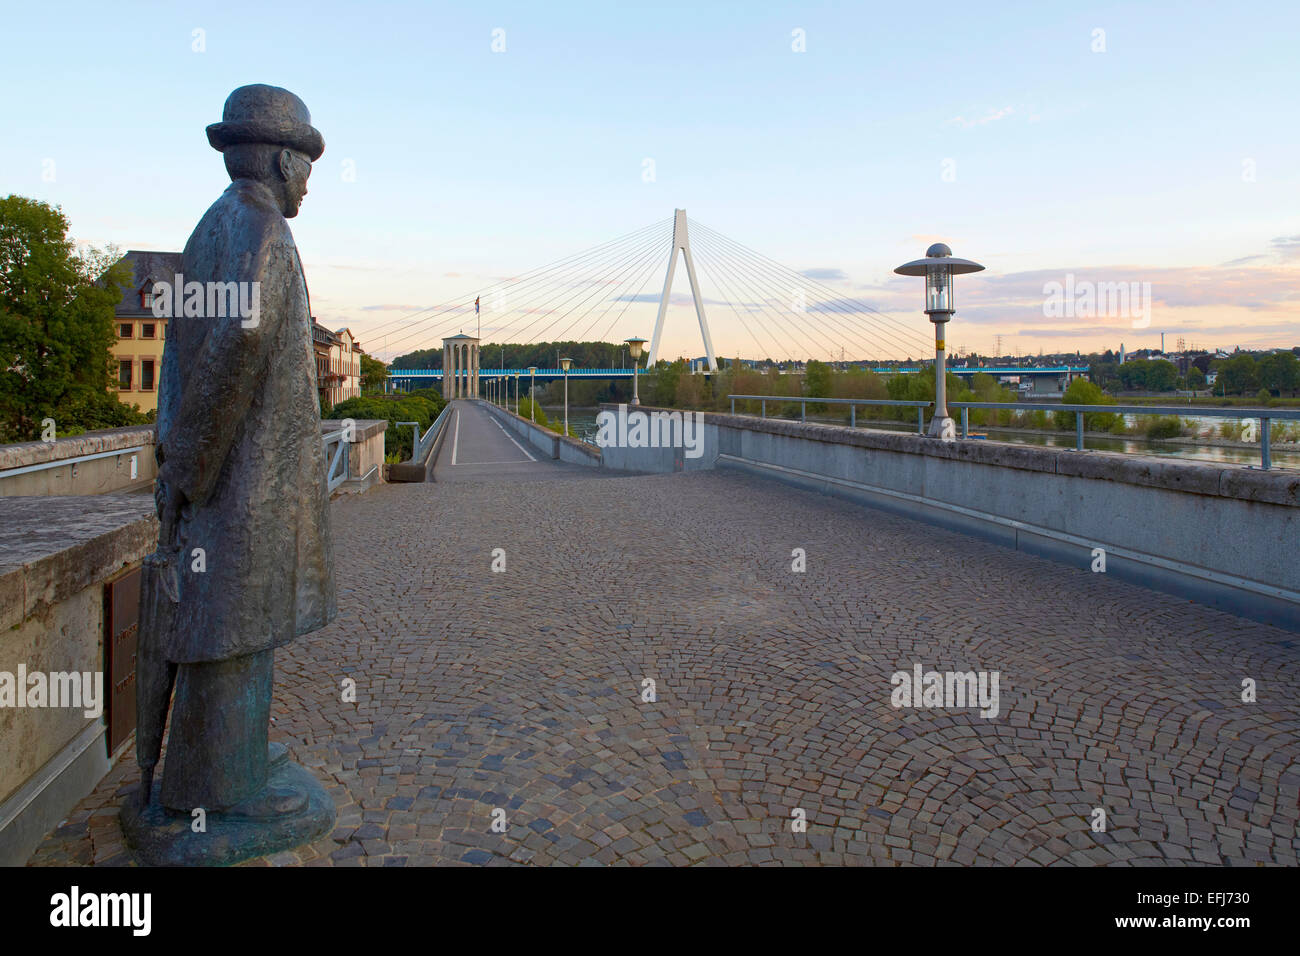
x: 336, y: 462
x: 420, y: 444
x: 853, y: 403
x: 1265, y: 415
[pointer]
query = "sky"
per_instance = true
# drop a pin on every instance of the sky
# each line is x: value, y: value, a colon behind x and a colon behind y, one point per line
x: 466, y: 144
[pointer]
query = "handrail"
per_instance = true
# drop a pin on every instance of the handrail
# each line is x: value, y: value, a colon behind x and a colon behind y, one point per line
x: 851, y: 402
x: 1265, y: 415
x: 333, y: 479
x: 420, y: 446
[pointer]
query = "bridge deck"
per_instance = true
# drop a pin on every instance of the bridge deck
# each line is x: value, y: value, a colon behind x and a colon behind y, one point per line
x: 521, y: 690
x: 477, y: 448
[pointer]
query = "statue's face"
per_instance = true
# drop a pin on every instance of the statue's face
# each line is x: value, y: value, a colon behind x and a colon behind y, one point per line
x: 295, y: 167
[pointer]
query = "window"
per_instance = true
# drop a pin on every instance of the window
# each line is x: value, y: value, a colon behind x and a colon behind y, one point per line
x: 124, y: 375
x: 125, y: 330
x: 146, y: 330
x: 146, y: 375
x: 146, y: 299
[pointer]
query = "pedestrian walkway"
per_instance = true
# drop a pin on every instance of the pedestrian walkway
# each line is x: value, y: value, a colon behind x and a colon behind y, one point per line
x: 525, y: 691
x: 478, y: 448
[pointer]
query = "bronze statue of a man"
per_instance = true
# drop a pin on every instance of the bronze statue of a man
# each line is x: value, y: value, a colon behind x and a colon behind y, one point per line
x: 242, y: 477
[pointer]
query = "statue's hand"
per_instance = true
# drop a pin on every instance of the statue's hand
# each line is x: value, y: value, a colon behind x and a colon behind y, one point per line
x: 168, y: 501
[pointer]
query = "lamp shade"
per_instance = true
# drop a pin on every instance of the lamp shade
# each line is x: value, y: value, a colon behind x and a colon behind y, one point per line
x: 634, y: 346
x: 565, y: 363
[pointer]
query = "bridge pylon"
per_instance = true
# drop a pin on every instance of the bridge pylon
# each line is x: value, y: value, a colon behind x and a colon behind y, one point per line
x: 682, y: 241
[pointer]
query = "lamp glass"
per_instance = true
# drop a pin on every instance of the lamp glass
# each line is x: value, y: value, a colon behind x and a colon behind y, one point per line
x: 565, y: 363
x: 634, y: 347
x: 938, y: 289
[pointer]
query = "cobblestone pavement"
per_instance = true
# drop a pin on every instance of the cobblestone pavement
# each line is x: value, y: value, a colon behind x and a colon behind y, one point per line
x: 522, y: 690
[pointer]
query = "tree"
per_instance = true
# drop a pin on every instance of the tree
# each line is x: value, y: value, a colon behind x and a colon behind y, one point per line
x: 373, y: 374
x: 1238, y: 374
x: 56, y: 326
x: 1280, y: 371
x: 1083, y: 392
x: 1195, y: 378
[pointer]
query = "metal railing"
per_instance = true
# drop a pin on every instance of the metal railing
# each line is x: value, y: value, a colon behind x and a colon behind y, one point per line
x: 336, y: 465
x: 420, y: 445
x: 1265, y: 415
x: 851, y: 402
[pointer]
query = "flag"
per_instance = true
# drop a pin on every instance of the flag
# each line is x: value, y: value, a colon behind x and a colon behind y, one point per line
x: 476, y: 298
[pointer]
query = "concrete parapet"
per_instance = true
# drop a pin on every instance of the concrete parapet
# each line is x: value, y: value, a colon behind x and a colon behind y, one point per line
x: 56, y: 556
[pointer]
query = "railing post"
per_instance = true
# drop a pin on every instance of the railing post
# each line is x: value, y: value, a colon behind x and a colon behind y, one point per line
x: 965, y: 423
x: 765, y: 408
x: 1078, y: 431
x: 733, y: 406
x: 1265, y: 461
x: 803, y: 411
x: 920, y: 420
x: 853, y: 416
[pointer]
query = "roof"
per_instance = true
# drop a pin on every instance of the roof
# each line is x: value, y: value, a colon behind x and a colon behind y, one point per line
x: 147, y: 267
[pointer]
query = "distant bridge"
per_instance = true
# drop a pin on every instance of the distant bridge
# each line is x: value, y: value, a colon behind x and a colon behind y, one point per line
x: 405, y: 379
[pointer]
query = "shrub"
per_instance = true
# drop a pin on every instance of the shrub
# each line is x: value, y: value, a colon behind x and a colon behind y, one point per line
x: 1164, y: 426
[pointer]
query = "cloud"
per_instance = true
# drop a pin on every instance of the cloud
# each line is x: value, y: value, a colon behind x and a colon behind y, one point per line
x: 826, y: 274
x: 992, y: 116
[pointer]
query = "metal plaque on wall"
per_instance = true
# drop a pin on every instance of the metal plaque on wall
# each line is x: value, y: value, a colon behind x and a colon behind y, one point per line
x: 122, y: 625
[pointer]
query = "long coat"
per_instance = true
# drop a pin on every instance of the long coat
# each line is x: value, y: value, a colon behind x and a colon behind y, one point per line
x: 239, y: 432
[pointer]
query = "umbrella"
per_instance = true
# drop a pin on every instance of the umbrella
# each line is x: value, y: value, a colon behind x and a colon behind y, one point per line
x: 154, y: 674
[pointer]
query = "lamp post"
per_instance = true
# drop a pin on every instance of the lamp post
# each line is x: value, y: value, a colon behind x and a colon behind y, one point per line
x: 634, y: 345
x: 938, y: 267
x: 532, y: 384
x: 516, y: 393
x: 564, y: 364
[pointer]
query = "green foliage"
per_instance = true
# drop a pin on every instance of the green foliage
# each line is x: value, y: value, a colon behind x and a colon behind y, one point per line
x: 1083, y: 392
x: 1150, y: 376
x: 526, y: 411
x: 423, y: 406
x: 1163, y: 426
x: 56, y: 326
x: 1264, y: 396
x: 373, y: 374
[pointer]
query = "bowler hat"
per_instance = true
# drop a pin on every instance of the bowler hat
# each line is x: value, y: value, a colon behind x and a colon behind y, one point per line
x: 266, y: 114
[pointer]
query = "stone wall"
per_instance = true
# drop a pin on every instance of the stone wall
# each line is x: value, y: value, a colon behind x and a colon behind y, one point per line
x: 56, y: 554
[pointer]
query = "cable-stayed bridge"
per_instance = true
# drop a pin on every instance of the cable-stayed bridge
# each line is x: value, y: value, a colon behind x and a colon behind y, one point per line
x: 779, y: 312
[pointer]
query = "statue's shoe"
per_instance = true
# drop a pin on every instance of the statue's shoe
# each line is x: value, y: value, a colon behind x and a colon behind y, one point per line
x: 271, y: 802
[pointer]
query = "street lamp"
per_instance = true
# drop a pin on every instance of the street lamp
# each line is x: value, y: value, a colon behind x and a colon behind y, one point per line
x: 939, y: 267
x: 564, y: 364
x: 516, y: 393
x: 634, y: 345
x: 532, y: 384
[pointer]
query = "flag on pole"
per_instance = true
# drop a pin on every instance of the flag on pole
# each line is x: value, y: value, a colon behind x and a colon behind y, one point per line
x: 476, y: 298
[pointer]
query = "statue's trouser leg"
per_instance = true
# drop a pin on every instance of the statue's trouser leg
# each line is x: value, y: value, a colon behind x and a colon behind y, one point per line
x: 216, y: 748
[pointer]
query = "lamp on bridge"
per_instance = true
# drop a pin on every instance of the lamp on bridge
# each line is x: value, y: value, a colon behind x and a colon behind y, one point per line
x: 938, y: 267
x: 564, y: 364
x: 532, y: 384
x: 516, y: 393
x: 634, y: 346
